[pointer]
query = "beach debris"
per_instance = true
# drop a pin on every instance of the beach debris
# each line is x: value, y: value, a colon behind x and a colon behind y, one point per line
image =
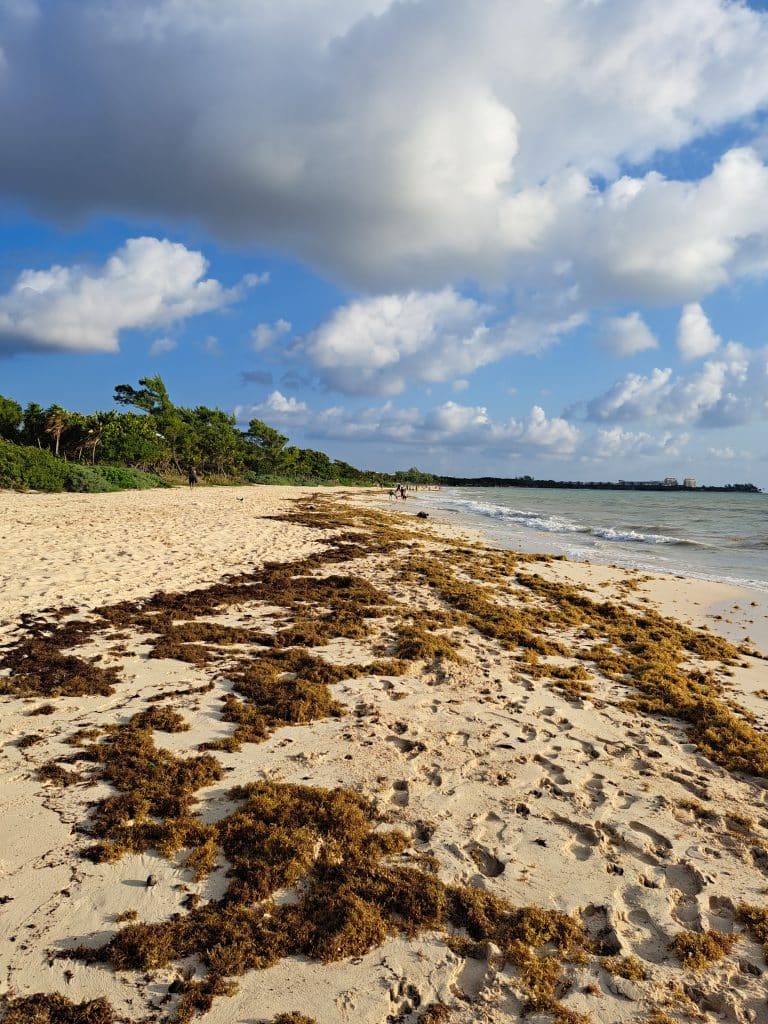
x: 152, y: 880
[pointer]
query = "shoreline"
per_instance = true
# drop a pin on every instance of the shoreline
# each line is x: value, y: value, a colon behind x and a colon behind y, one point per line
x: 519, y: 777
x: 732, y: 610
x: 585, y: 539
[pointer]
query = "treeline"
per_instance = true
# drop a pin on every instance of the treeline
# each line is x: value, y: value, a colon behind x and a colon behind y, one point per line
x: 586, y: 485
x: 155, y: 442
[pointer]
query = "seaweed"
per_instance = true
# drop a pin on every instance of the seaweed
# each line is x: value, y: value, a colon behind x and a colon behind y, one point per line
x: 699, y: 949
x: 435, y: 1013
x: 756, y: 920
x: 155, y: 789
x: 351, y: 892
x: 628, y: 967
x: 57, y: 1009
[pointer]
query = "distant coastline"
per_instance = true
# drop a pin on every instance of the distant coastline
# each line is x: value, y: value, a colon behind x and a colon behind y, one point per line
x: 620, y: 485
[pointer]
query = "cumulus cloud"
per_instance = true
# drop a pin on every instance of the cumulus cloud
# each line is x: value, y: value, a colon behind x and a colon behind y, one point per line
x: 148, y: 282
x: 275, y: 409
x: 381, y: 345
x: 448, y: 424
x: 264, y: 335
x: 695, y: 337
x: 412, y: 143
x: 627, y: 335
x: 729, y: 390
x: 614, y: 442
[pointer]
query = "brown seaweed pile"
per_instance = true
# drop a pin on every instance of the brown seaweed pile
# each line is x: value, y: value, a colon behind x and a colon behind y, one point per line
x: 57, y: 1009
x: 353, y: 888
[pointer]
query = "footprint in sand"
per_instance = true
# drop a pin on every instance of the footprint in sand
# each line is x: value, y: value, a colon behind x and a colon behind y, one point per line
x: 596, y: 790
x: 661, y: 845
x: 686, y: 884
x: 600, y: 928
x: 648, y: 941
x: 400, y: 795
x: 412, y: 747
x: 488, y: 864
x: 722, y: 912
x: 585, y: 838
x: 688, y: 782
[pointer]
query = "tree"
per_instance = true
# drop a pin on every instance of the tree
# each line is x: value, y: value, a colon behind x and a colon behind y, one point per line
x: 95, y: 426
x: 55, y: 424
x: 33, y: 429
x: 131, y: 439
x: 152, y: 396
x: 170, y: 422
x: 216, y: 441
x: 10, y: 419
x: 265, y: 448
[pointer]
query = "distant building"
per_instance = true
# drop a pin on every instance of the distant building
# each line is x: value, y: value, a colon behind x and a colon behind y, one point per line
x: 689, y: 482
x: 670, y: 481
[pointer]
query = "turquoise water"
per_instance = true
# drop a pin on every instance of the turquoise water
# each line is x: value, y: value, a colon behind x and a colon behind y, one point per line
x: 710, y: 536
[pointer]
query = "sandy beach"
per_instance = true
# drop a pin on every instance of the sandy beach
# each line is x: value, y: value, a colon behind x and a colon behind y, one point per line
x: 284, y: 751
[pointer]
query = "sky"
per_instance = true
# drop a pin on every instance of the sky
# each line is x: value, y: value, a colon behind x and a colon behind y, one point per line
x: 480, y: 237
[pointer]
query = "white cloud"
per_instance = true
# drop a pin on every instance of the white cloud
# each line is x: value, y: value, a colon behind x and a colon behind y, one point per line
x: 264, y: 335
x: 413, y: 143
x: 381, y: 345
x: 449, y: 424
x: 275, y: 409
x: 161, y: 345
x: 147, y: 283
x: 731, y: 389
x: 627, y: 335
x: 460, y: 385
x: 695, y: 337
x: 613, y: 442
x: 728, y: 453
x: 653, y: 239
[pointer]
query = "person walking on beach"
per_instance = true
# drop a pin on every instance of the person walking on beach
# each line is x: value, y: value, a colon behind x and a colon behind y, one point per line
x: 192, y: 476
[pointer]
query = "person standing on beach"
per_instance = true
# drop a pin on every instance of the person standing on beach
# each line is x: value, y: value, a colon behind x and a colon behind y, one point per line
x: 192, y: 476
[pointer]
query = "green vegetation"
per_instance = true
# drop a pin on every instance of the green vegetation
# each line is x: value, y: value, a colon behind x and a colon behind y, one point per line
x: 54, y: 449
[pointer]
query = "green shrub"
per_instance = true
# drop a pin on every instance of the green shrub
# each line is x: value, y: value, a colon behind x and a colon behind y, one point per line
x: 126, y: 479
x: 86, y: 480
x: 24, y: 468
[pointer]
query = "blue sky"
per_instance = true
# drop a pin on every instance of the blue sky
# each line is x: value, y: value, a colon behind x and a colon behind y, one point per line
x: 477, y: 236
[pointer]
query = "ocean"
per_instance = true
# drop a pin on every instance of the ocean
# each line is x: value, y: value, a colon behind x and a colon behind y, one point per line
x: 714, y: 536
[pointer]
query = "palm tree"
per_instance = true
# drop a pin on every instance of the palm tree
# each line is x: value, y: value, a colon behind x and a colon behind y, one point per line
x: 55, y: 424
x: 96, y: 425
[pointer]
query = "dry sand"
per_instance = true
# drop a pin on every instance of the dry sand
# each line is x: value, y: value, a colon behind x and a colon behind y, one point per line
x: 576, y: 805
